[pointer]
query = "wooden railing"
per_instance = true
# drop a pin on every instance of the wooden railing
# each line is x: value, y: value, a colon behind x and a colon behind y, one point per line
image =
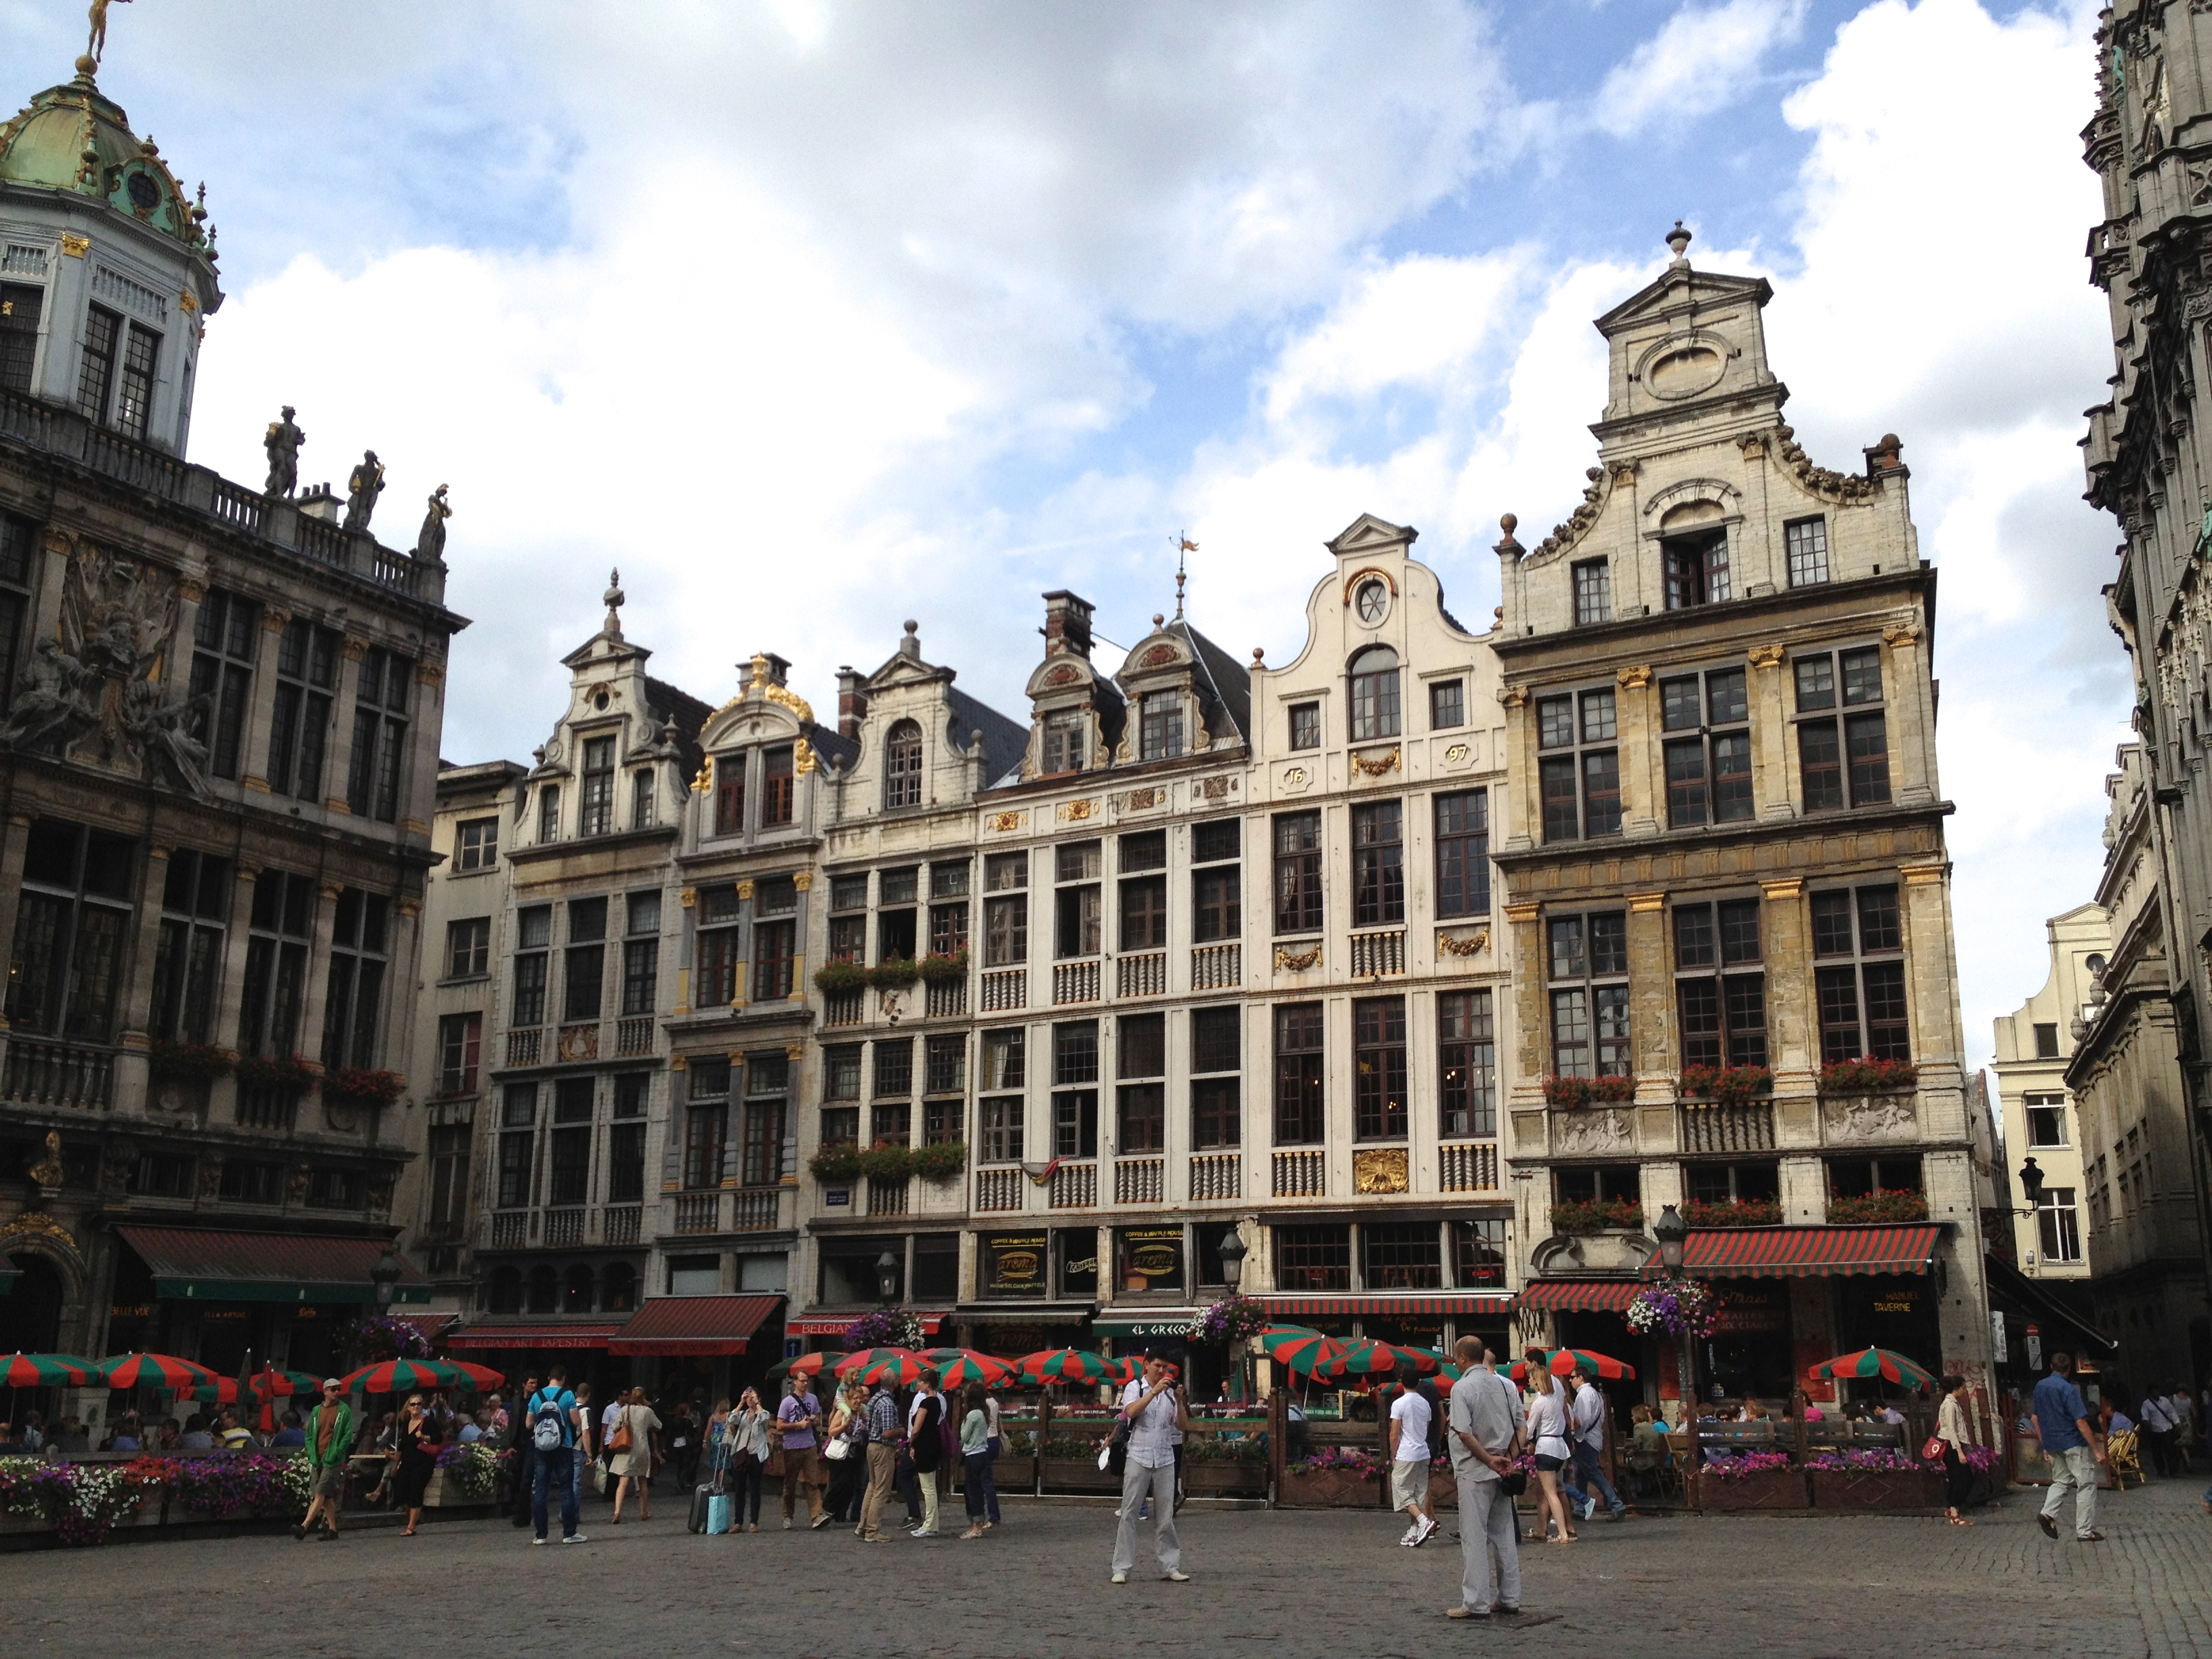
x: 1074, y: 981
x: 948, y: 999
x: 999, y: 1188
x: 522, y: 1048
x: 1005, y: 990
x: 1215, y: 967
x: 634, y: 1036
x: 844, y: 1007
x: 1075, y: 1187
x: 1378, y: 954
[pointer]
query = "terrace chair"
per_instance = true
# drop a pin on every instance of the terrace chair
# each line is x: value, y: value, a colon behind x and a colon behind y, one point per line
x: 2122, y: 1452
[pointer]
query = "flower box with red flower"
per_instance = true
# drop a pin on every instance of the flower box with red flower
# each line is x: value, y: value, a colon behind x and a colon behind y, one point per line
x: 1579, y: 1219
x: 1727, y: 1085
x: 1868, y: 1077
x: 1334, y: 1477
x: 1883, y: 1204
x: 362, y: 1086
x: 1571, y: 1093
x: 1733, y: 1212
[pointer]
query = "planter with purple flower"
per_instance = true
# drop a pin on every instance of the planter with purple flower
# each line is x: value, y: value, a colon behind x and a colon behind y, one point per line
x: 1753, y: 1480
x: 1334, y: 1477
x: 1874, y: 1479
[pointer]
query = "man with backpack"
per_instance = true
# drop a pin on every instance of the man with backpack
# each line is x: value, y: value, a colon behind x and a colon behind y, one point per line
x: 557, y: 1430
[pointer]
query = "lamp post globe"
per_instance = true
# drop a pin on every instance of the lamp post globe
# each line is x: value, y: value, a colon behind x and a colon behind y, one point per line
x: 1673, y: 1233
x: 385, y: 1277
x: 1233, y: 1251
x: 887, y: 1278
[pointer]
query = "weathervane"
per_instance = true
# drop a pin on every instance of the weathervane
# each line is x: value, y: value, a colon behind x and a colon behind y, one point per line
x: 96, y: 47
x: 1183, y: 544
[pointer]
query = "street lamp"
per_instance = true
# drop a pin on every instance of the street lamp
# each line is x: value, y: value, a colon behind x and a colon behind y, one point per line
x: 386, y: 1275
x: 1233, y: 1251
x: 1672, y: 1234
x: 887, y: 1278
x: 2031, y: 1182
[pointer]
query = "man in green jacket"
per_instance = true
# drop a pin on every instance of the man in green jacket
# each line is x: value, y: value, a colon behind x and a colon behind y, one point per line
x: 330, y: 1439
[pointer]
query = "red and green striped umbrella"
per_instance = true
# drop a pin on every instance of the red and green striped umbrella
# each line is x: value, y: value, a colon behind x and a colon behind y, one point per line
x: 1300, y: 1349
x: 1565, y: 1362
x: 807, y: 1365
x: 484, y: 1376
x: 1066, y: 1366
x: 46, y: 1371
x: 957, y: 1367
x: 873, y: 1365
x: 271, y: 1382
x: 402, y: 1376
x: 223, y: 1391
x: 1447, y: 1370
x: 1872, y: 1363
x: 1363, y: 1357
x: 153, y: 1370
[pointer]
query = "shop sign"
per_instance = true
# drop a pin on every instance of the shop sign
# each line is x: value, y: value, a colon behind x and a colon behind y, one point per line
x: 1142, y: 1330
x: 836, y: 1197
x: 1014, y: 1264
x: 2035, y: 1347
x: 1751, y: 1312
x: 1151, y: 1257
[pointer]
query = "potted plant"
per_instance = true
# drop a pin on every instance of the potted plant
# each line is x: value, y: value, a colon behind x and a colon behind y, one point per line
x: 1754, y: 1480
x: 1232, y: 1319
x: 1216, y: 1467
x: 1733, y: 1212
x: 894, y: 974
x: 1727, y: 1085
x: 1572, y: 1092
x: 362, y: 1086
x: 283, y: 1071
x: 837, y: 1163
x: 188, y: 1062
x: 382, y: 1336
x: 1883, y: 1204
x: 1332, y: 1477
x: 940, y: 1163
x: 1868, y: 1077
x: 835, y: 978
x: 1873, y: 1478
x: 937, y: 969
x: 1070, y: 1462
x: 1579, y: 1219
x: 886, y: 1162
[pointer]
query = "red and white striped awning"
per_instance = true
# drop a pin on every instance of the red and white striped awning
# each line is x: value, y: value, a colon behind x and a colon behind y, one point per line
x: 1580, y: 1294
x: 1809, y: 1252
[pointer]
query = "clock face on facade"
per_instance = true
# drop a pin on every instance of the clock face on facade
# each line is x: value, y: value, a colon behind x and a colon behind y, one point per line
x: 1372, y: 598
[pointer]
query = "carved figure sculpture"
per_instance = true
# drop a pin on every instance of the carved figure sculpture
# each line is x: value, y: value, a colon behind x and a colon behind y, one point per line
x: 363, y: 485
x: 430, y: 544
x: 282, y: 441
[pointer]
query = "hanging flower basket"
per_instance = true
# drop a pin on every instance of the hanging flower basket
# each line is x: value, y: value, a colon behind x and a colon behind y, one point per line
x: 943, y: 970
x: 1232, y: 1319
x: 382, y: 1336
x: 886, y: 1328
x: 274, y: 1072
x: 189, y: 1062
x: 1727, y: 1085
x: 895, y: 975
x: 1577, y: 1091
x: 363, y: 1085
x: 1676, y: 1306
x: 833, y: 977
x: 1868, y: 1077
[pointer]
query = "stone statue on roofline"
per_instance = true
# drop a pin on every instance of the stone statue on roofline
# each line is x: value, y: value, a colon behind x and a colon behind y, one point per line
x: 363, y: 486
x: 430, y: 544
x: 282, y: 442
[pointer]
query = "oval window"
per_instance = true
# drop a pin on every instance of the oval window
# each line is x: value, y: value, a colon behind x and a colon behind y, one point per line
x: 1684, y: 371
x: 1372, y: 598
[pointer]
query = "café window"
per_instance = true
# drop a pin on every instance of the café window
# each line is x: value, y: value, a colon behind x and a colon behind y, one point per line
x: 1014, y: 1265
x: 1148, y: 1259
x: 1312, y: 1258
x: 1378, y: 863
x: 1216, y: 1078
x: 279, y: 929
x: 1842, y: 756
x: 1140, y: 1073
x: 1578, y: 770
x: 1720, y: 983
x: 1858, y: 953
x: 1466, y: 1066
x: 1707, y: 751
x: 1587, y: 961
x: 1077, y: 900
x: 1299, y: 1084
x: 1075, y: 1253
x: 1006, y: 909
x: 73, y: 924
x: 188, y: 954
x: 1075, y: 1093
x: 936, y: 1267
x: 226, y: 640
x: 356, y: 995
x: 1401, y: 1255
x: 1378, y: 1068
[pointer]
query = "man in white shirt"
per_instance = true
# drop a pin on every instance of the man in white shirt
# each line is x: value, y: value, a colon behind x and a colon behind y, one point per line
x: 1485, y: 1434
x: 1410, y: 1416
x: 1587, y: 1418
x: 1152, y: 1406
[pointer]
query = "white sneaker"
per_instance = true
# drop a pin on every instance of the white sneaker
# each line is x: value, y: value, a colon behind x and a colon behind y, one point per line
x: 1121, y: 1577
x: 575, y: 1538
x: 1428, y: 1529
x: 539, y: 1541
x: 1406, y: 1537
x: 1177, y: 1578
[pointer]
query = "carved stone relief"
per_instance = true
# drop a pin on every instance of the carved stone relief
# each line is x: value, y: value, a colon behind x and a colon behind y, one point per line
x: 1869, y: 1117
x: 1589, y: 1131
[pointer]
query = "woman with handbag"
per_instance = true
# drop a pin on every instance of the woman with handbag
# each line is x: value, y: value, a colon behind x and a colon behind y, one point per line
x: 844, y: 1455
x: 925, y: 1446
x: 745, y: 1440
x: 632, y: 1446
x: 1950, y: 1442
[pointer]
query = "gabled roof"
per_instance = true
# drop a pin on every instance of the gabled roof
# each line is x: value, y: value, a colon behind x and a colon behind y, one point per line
x: 1004, y: 740
x: 1697, y: 288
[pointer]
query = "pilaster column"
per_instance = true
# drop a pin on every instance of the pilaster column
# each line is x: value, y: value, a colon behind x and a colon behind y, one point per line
x: 1774, y: 779
x: 687, y: 929
x: 137, y: 999
x: 1640, y: 793
x: 261, y: 712
x: 1521, y: 825
x: 1651, y: 998
x: 1911, y: 723
x: 418, y: 796
x: 399, y: 999
x: 1530, y: 1021
x: 1790, y: 1048
x: 230, y: 999
x: 15, y: 844
x: 318, y: 973
x: 1932, y: 962
x: 338, y: 766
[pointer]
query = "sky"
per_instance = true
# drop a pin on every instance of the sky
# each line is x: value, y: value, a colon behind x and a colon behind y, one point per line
x: 812, y: 317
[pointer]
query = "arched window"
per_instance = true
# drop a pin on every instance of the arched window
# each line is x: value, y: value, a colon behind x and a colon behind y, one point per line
x: 1375, y: 694
x: 507, y: 1289
x: 545, y: 1291
x: 903, y: 766
x: 576, y: 1293
x: 619, y: 1289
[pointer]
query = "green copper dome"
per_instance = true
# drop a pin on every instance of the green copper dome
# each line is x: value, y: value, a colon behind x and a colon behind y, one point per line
x: 73, y: 138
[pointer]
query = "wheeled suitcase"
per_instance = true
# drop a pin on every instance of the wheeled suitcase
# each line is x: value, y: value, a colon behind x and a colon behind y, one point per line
x: 718, y: 1512
x: 699, y: 1497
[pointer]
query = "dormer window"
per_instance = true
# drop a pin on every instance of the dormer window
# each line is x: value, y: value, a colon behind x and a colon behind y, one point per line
x: 1696, y: 569
x: 776, y: 787
x: 1063, y: 741
x: 1161, y: 732
x: 640, y: 800
x: 1375, y: 694
x: 115, y: 380
x: 730, y: 794
x: 596, y: 809
x: 21, y: 305
x: 903, y: 766
x: 549, y: 813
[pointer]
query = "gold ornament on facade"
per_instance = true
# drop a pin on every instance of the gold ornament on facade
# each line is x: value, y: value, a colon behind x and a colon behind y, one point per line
x: 1299, y: 962
x: 1524, y: 910
x: 794, y: 1051
x: 1000, y: 823
x: 1513, y: 696
x: 802, y: 756
x: 1455, y: 754
x: 48, y: 1171
x: 354, y: 648
x: 1767, y: 656
x: 1633, y: 679
x: 1901, y: 636
x: 804, y: 881
x: 782, y: 695
x: 1381, y: 1169
x: 704, y: 782
x: 1786, y: 889
x: 1294, y: 775
x: 1646, y: 903
x: 1076, y: 812
x: 1473, y: 945
x: 36, y: 1223
x: 74, y: 248
x: 745, y: 891
x: 1375, y: 768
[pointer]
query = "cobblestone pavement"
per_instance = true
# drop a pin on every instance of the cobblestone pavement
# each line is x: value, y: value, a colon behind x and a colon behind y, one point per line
x: 1288, y: 1584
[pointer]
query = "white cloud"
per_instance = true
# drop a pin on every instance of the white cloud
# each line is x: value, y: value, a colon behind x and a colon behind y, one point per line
x: 1703, y: 59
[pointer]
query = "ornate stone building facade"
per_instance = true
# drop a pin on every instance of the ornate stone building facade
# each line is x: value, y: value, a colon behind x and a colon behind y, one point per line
x: 1726, y: 877
x: 2151, y: 147
x: 218, y: 757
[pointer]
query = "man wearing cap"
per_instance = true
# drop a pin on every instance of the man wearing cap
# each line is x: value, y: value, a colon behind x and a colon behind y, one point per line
x: 1153, y: 1407
x: 330, y: 1442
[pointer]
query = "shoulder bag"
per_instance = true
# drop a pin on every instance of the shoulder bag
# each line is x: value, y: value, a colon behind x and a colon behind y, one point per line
x: 1933, y: 1451
x: 619, y: 1437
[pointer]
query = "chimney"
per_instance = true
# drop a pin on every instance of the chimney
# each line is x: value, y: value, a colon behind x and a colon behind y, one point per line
x: 851, y: 704
x: 317, y: 502
x: 779, y: 668
x: 1067, y: 624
